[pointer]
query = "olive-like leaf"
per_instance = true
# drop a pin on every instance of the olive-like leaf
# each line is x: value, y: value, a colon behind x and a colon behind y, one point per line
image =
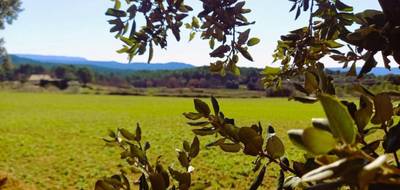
x: 296, y: 137
x: 201, y: 107
x: 194, y: 148
x: 318, y: 141
x: 383, y: 109
x: 275, y: 147
x: 157, y: 181
x: 230, y: 147
x: 321, y: 123
x: 253, y: 41
x: 128, y: 135
x: 391, y: 142
x: 215, y: 105
x: 363, y: 115
x: 340, y: 121
x: 259, y: 179
x: 193, y: 116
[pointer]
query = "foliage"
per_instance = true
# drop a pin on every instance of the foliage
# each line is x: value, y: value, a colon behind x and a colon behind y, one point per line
x: 134, y: 152
x: 218, y: 22
x: 85, y: 75
x: 338, y: 152
x: 9, y: 10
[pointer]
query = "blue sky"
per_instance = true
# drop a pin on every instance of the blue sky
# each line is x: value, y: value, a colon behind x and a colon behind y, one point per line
x: 80, y: 28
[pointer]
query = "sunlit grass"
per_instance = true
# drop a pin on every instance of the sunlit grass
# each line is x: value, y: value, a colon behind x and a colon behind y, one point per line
x: 54, y: 141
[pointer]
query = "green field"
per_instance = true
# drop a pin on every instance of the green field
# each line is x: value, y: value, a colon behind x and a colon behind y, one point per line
x: 54, y: 141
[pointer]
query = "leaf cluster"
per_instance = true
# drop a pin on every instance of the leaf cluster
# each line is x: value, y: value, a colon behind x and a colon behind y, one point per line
x: 153, y: 176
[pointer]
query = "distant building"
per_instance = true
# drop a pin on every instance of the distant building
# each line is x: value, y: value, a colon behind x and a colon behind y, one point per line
x: 36, y: 78
x: 44, y: 80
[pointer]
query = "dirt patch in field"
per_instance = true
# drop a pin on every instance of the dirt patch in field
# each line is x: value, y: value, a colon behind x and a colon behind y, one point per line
x: 7, y: 182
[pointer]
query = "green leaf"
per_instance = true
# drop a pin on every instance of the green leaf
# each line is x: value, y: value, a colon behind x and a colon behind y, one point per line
x: 318, y: 141
x: 333, y: 44
x: 192, y: 35
x: 143, y: 185
x: 258, y: 181
x: 353, y: 71
x: 310, y: 82
x: 271, y: 70
x: 281, y: 180
x: 117, y: 4
x: 340, y: 121
x: 252, y: 141
x: 275, y: 147
x: 215, y: 105
x: 138, y: 135
x: 193, y: 116
x: 204, y: 131
x: 343, y: 7
x: 102, y: 185
x: 195, y: 22
x: 363, y: 115
x: 115, y: 13
x: 243, y: 37
x: 186, y: 146
x: 128, y: 135
x: 296, y: 137
x: 230, y: 147
x: 199, y: 124
x: 125, y: 49
x: 157, y: 181
x: 194, y: 148
x: 151, y: 53
x: 245, y: 53
x: 183, y: 159
x: 253, y: 42
x: 321, y: 123
x: 391, y: 142
x: 211, y: 43
x: 201, y: 107
x: 305, y: 99
x: 383, y: 109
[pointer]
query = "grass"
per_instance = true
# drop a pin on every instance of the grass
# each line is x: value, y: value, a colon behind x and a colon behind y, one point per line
x: 54, y: 141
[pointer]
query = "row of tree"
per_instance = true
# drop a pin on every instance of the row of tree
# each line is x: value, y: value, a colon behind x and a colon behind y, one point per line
x: 10, y: 72
x: 250, y: 78
x: 188, y: 78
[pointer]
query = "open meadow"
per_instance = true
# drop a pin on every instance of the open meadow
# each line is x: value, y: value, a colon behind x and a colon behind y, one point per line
x: 54, y: 141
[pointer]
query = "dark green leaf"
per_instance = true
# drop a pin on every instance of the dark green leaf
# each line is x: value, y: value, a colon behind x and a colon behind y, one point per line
x: 194, y: 148
x: 383, y: 109
x: 201, y: 107
x: 193, y: 116
x: 258, y: 181
x: 138, y: 135
x: 275, y: 147
x: 215, y: 105
x: 128, y: 135
x: 199, y: 124
x: 183, y: 159
x: 392, y: 140
x: 230, y: 147
x: 204, y: 131
x: 243, y: 37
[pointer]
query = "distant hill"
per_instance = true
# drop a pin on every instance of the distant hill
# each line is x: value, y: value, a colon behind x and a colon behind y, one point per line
x: 377, y: 71
x: 112, y: 66
x: 54, y: 60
